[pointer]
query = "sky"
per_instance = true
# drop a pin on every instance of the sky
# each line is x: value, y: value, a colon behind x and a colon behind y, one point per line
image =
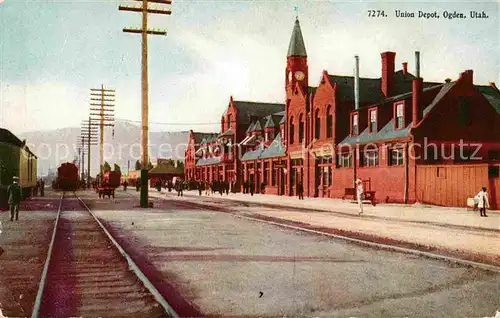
x: 53, y: 52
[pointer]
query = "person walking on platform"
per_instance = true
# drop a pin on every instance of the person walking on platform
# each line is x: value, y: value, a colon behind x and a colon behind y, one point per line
x: 360, y: 192
x: 14, y: 194
x: 42, y: 188
x: 200, y: 187
x: 300, y: 190
x: 482, y: 201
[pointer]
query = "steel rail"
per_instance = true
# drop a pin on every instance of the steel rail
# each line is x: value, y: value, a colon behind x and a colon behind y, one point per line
x: 43, y: 279
x: 132, y: 265
x: 455, y: 260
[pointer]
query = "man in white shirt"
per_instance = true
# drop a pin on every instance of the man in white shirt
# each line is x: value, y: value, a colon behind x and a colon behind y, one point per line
x: 360, y: 192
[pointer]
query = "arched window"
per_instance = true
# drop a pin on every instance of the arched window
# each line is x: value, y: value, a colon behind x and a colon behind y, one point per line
x: 228, y: 121
x: 301, y: 128
x: 317, y: 124
x: 329, y: 122
x: 291, y: 132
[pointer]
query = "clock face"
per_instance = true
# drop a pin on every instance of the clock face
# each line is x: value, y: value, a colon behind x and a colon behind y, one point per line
x: 299, y: 75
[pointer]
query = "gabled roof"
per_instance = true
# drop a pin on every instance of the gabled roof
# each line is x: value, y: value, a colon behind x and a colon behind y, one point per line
x: 492, y: 94
x: 385, y: 133
x: 444, y: 89
x: 247, y: 110
x: 269, y: 122
x: 227, y: 133
x: 275, y: 149
x: 208, y: 161
x: 370, y: 88
x: 257, y: 126
x: 396, y: 98
x: 296, y: 46
x: 254, y: 154
x: 250, y: 128
x: 200, y: 136
x: 165, y: 168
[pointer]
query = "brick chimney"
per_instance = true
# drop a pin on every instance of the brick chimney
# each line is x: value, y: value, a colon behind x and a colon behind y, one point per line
x: 388, y: 73
x: 405, y: 68
x: 467, y: 76
x: 417, y: 109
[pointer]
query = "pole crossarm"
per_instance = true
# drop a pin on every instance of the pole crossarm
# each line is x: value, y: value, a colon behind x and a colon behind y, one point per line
x: 144, y: 31
x: 102, y: 90
x: 151, y: 32
x: 149, y: 10
x: 105, y: 105
x: 157, y: 1
x: 105, y: 109
x: 106, y: 100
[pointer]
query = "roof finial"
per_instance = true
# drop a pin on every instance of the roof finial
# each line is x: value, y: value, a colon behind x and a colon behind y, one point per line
x: 296, y: 9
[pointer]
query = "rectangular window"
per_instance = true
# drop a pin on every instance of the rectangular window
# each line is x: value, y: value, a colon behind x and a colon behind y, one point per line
x: 396, y: 157
x: 400, y: 119
x: 355, y: 127
x: 373, y: 121
x: 344, y: 160
x: 228, y: 121
x: 370, y: 158
x: 329, y: 126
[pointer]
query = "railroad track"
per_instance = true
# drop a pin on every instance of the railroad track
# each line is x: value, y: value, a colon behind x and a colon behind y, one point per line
x: 88, y: 274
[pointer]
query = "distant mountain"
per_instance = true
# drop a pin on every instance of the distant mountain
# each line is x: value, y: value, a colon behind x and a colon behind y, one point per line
x: 54, y: 147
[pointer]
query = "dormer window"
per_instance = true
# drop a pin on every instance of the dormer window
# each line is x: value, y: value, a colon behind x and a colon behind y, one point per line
x: 373, y: 120
x: 400, y: 116
x: 271, y: 135
x: 355, y: 124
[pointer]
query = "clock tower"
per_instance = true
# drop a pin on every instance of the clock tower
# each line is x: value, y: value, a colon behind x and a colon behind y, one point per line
x: 296, y: 66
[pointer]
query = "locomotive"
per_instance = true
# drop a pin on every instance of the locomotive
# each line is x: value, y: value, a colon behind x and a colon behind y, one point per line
x: 67, y: 177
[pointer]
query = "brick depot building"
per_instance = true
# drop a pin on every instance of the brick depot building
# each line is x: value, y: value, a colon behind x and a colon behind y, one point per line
x: 409, y: 140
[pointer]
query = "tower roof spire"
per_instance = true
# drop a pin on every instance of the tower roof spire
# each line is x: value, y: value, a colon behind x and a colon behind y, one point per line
x: 296, y: 47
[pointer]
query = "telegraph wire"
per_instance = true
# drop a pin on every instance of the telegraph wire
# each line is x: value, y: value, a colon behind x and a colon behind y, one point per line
x: 172, y: 124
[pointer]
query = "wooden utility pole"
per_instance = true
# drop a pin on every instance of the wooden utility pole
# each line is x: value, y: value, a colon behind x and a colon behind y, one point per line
x: 102, y: 98
x: 144, y: 31
x: 89, y: 134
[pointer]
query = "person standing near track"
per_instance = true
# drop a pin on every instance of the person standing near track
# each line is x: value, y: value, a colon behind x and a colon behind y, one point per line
x: 482, y: 201
x: 360, y: 192
x: 14, y: 195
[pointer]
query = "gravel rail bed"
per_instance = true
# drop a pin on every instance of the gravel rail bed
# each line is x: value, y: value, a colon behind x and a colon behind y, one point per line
x: 87, y: 276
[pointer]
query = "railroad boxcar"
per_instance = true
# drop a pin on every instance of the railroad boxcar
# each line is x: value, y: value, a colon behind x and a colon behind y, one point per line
x: 16, y: 159
x: 67, y: 177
